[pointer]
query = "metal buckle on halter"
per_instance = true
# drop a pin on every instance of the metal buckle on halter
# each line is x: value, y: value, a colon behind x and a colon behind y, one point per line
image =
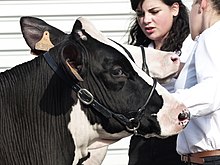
x: 134, y: 129
x: 85, y: 96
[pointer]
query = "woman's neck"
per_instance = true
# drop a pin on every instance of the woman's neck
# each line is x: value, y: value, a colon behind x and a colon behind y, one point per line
x: 159, y: 43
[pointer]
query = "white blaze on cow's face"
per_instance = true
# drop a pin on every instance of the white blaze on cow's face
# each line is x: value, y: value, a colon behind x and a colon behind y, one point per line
x: 172, y: 108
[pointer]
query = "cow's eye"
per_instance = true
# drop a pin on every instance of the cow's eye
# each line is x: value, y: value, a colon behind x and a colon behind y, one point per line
x: 117, y: 71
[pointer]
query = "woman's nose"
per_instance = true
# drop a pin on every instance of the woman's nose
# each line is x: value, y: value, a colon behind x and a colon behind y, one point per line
x: 147, y: 18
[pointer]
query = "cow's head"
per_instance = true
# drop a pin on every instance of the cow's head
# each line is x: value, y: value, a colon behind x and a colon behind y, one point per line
x: 127, y: 98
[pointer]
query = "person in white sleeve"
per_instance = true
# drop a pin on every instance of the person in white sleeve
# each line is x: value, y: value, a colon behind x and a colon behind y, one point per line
x: 198, y: 87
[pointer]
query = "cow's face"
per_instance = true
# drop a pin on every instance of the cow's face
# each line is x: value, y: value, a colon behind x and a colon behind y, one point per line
x: 115, y: 81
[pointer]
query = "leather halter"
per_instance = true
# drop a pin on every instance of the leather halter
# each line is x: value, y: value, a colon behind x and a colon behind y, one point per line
x: 132, y: 124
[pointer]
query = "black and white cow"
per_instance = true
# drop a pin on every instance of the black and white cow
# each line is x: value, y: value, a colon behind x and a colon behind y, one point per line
x: 84, y: 91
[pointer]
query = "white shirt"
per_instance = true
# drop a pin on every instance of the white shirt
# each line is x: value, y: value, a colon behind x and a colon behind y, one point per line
x: 198, y: 87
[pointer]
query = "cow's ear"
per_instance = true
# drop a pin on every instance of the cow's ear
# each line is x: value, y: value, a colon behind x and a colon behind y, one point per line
x: 77, y: 26
x: 73, y: 70
x: 72, y: 60
x: 39, y: 35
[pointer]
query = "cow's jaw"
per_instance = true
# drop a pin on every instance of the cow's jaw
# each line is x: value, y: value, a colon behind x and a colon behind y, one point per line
x: 86, y: 136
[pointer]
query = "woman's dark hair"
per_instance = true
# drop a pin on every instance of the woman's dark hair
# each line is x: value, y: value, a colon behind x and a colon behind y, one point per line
x: 216, y: 5
x: 177, y: 34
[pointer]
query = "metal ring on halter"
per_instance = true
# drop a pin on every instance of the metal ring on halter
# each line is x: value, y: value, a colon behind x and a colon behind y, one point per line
x: 134, y: 129
x: 82, y: 93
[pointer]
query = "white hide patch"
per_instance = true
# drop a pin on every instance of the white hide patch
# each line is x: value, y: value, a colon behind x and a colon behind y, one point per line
x: 81, y: 132
x: 88, y: 137
x: 96, y: 156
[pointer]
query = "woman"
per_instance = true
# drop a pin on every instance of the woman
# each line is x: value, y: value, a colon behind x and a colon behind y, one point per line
x: 162, y: 25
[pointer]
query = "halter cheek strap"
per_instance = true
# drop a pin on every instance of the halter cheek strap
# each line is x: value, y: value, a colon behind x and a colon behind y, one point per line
x: 144, y: 64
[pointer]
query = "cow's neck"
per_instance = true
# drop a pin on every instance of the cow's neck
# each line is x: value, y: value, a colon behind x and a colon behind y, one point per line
x: 87, y: 136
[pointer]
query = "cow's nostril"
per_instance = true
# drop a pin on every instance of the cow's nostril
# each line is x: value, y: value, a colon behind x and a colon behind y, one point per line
x: 184, y: 115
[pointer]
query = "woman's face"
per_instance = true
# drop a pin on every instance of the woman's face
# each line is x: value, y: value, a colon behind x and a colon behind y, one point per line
x: 156, y: 18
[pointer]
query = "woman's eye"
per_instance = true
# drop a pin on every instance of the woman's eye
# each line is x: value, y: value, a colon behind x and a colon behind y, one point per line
x: 139, y: 13
x: 154, y: 12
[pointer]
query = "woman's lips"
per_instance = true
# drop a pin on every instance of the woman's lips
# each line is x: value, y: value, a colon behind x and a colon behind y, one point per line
x: 149, y: 30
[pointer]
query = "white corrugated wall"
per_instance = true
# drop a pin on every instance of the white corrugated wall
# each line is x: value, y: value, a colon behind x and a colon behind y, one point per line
x: 109, y: 16
x: 112, y: 17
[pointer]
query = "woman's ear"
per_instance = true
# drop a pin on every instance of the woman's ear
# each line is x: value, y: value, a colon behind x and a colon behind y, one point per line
x: 175, y: 9
x: 203, y: 4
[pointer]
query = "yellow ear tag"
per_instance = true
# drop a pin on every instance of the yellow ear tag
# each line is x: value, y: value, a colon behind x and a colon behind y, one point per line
x: 44, y: 44
x: 73, y: 70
